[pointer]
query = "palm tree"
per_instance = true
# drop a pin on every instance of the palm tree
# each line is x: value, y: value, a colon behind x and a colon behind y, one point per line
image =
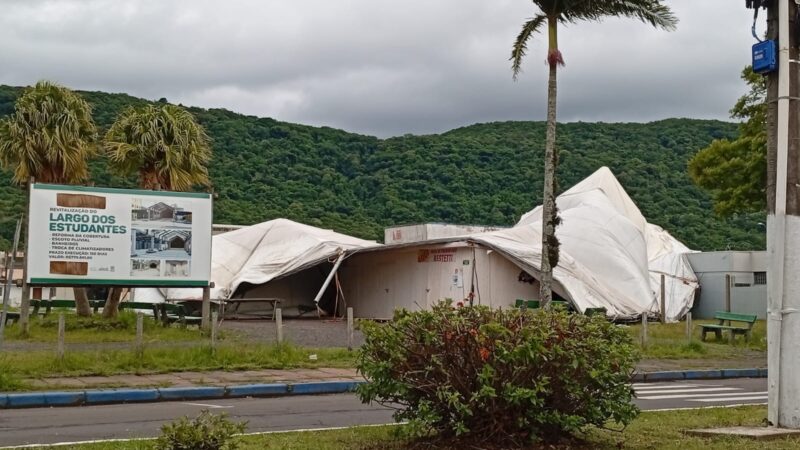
x: 49, y: 138
x: 163, y: 143
x: 550, y: 14
x: 168, y: 149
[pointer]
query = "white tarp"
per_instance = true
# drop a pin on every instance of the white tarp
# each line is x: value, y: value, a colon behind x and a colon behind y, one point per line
x: 260, y: 253
x: 610, y: 256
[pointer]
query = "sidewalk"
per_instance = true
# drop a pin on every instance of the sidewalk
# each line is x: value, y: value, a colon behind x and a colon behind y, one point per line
x: 193, y: 379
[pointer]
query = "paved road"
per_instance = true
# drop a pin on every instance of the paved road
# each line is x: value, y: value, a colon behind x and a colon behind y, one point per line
x: 52, y: 425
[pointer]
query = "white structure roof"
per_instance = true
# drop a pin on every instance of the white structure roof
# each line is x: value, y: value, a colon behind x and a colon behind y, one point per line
x: 610, y: 256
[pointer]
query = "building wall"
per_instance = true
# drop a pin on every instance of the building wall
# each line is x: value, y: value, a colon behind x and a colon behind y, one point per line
x: 376, y: 283
x: 294, y: 290
x: 747, y: 293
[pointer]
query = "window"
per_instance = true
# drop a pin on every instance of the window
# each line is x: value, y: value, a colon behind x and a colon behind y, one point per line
x: 759, y: 277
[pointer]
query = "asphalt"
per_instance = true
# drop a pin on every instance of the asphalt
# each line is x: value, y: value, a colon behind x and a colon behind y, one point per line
x: 138, y: 420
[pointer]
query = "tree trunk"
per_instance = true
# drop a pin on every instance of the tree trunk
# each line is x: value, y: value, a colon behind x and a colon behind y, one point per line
x: 82, y: 307
x: 111, y: 308
x: 550, y: 243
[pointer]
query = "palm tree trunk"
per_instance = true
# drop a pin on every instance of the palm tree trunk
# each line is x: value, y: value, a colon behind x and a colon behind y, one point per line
x: 111, y: 308
x: 550, y: 243
x: 82, y: 307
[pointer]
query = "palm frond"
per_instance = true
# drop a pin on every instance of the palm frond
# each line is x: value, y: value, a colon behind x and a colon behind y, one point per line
x: 653, y: 12
x: 521, y: 43
x: 164, y: 143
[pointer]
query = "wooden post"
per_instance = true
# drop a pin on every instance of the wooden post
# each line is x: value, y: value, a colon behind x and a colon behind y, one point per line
x: 213, y: 331
x: 139, y: 334
x: 204, y: 324
x: 279, y: 324
x: 689, y: 327
x: 61, y: 333
x: 663, y: 299
x: 644, y: 330
x: 728, y: 293
x: 350, y: 328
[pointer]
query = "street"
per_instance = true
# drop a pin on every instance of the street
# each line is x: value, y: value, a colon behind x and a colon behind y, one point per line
x: 56, y: 425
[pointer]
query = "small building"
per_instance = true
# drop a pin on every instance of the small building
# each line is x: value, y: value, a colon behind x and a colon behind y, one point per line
x: 733, y: 281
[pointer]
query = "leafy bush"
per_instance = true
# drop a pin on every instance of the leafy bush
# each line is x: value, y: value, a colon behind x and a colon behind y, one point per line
x: 505, y: 376
x: 205, y: 432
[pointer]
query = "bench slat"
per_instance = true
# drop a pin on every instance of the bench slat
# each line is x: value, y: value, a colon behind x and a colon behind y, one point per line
x: 735, y: 317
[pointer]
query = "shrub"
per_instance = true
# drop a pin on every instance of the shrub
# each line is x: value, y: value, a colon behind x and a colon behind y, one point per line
x: 205, y: 432
x: 505, y: 376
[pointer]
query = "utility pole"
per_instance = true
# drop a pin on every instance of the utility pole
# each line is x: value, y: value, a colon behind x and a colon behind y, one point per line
x: 783, y: 219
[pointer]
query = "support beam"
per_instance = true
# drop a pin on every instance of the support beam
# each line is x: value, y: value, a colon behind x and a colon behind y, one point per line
x: 327, y: 282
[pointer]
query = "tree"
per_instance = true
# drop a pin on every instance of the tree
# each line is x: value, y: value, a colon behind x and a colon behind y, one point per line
x: 166, y: 146
x: 735, y: 171
x: 49, y: 137
x: 163, y: 143
x: 550, y: 14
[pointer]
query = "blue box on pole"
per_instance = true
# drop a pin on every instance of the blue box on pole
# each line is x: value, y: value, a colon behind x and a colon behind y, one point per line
x: 765, y: 57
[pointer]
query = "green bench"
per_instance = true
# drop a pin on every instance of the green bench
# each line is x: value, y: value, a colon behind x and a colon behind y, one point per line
x: 526, y: 304
x: 11, y: 317
x: 48, y: 305
x: 726, y: 323
x: 595, y: 312
x: 171, y: 313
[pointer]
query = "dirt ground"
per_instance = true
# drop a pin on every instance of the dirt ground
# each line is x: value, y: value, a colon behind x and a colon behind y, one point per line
x: 303, y: 332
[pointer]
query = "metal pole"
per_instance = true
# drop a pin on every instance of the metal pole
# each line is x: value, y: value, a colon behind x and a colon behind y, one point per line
x: 330, y: 277
x: 663, y: 299
x: 25, y: 300
x: 279, y: 324
x: 350, y: 328
x: 61, y: 333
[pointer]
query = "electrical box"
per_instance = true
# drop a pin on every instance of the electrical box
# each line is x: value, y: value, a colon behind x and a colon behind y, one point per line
x: 765, y: 57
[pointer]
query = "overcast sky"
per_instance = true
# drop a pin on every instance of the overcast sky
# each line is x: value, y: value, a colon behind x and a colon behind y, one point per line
x: 377, y: 66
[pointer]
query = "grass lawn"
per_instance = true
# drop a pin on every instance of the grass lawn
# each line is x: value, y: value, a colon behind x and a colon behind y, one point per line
x: 668, y: 341
x: 97, y: 330
x: 652, y: 430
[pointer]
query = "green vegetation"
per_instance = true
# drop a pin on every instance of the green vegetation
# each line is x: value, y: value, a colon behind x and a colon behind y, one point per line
x: 484, y: 174
x: 498, y: 377
x: 734, y: 171
x: 668, y: 341
x: 20, y: 365
x: 94, y: 330
x: 205, y: 432
x: 661, y: 430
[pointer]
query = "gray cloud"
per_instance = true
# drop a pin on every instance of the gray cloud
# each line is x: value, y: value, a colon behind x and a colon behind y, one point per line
x: 375, y: 66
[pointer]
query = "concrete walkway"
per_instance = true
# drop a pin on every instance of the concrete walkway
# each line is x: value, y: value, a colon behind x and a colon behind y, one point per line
x: 191, y: 379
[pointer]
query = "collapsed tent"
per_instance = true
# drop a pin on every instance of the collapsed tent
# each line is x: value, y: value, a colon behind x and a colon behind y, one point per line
x: 245, y: 259
x: 610, y: 258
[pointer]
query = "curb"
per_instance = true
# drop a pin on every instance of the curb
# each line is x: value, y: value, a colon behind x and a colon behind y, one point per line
x: 116, y: 396
x: 718, y: 374
x: 112, y: 396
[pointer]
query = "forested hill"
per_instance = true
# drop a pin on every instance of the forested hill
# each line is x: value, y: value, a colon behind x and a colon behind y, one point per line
x: 481, y: 174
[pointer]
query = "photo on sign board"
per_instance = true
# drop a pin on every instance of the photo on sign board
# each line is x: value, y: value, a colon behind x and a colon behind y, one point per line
x: 145, y: 268
x: 178, y: 269
x: 161, y: 243
x: 147, y: 213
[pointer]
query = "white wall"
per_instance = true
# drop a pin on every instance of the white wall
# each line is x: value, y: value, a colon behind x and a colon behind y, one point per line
x: 377, y: 282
